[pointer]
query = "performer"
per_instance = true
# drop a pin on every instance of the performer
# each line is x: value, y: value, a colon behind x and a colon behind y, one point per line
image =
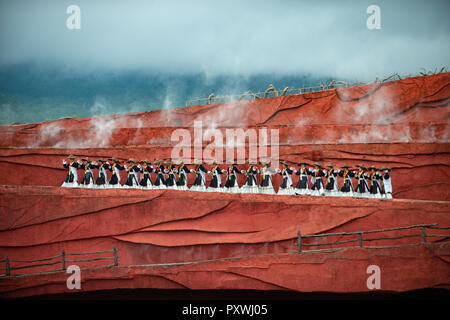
x: 375, y: 188
x: 171, y: 181
x: 88, y: 179
x: 146, y: 181
x: 216, y: 182
x: 387, y: 185
x: 347, y: 187
x: 331, y: 189
x: 133, y: 169
x: 114, y: 181
x: 251, y: 184
x: 286, y: 184
x: 101, y: 181
x: 266, y: 172
x: 160, y: 182
x: 231, y: 183
x: 303, y: 185
x: 362, y: 189
x: 71, y: 180
x: 182, y: 172
x: 316, y: 180
x: 200, y: 180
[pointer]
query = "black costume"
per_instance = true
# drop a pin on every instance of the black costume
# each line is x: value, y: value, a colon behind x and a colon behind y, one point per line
x: 70, y: 178
x: 286, y: 183
x: 251, y: 176
x: 132, y: 179
x: 146, y: 180
x: 231, y: 177
x: 303, y: 180
x: 266, y: 180
x: 182, y: 175
x: 362, y: 186
x: 332, y: 180
x: 375, y: 187
x: 318, y: 182
x: 115, y: 177
x: 160, y: 178
x: 88, y: 177
x: 171, y: 179
x: 200, y: 178
x: 215, y: 173
x: 348, y: 185
x: 101, y: 179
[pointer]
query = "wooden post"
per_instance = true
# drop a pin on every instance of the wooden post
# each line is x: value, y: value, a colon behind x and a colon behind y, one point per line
x: 116, y: 258
x: 424, y: 235
x: 8, y: 271
x: 63, y: 255
x: 360, y: 238
x: 299, y: 242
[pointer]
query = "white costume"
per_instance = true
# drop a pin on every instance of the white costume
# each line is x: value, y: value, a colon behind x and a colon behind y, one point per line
x: 286, y: 185
x: 72, y: 175
x: 387, y: 185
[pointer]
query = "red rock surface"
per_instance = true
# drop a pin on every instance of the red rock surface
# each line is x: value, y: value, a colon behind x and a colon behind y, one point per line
x: 153, y: 228
x: 401, y: 124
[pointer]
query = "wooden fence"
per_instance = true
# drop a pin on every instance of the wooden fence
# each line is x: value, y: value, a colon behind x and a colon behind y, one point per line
x: 61, y: 259
x: 360, y: 240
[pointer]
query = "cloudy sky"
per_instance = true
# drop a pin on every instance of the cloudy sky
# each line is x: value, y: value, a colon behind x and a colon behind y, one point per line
x: 143, y: 55
x: 229, y: 37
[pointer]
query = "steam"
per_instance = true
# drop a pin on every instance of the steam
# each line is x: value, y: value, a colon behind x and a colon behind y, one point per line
x: 101, y: 129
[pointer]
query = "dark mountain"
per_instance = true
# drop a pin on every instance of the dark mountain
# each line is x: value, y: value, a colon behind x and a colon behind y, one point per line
x: 34, y: 93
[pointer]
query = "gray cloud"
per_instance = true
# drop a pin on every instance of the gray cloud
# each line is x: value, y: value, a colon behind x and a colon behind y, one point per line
x: 326, y: 38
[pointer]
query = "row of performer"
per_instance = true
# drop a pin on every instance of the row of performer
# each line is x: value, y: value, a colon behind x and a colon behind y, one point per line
x: 314, y: 179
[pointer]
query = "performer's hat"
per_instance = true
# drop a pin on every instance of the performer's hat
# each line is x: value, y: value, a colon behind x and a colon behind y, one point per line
x: 386, y: 168
x: 130, y: 161
x: 101, y: 160
x: 114, y: 159
x: 71, y: 157
x: 346, y: 166
x: 372, y: 167
x: 285, y: 163
x: 360, y: 166
x: 330, y: 165
x: 86, y: 159
x: 303, y: 162
x: 316, y: 164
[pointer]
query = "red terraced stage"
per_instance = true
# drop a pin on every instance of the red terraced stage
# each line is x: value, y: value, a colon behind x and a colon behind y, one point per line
x: 193, y: 240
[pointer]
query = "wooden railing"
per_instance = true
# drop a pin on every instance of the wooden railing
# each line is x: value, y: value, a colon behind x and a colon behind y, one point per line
x: 61, y: 259
x: 360, y: 239
x: 295, y: 91
x: 259, y: 95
